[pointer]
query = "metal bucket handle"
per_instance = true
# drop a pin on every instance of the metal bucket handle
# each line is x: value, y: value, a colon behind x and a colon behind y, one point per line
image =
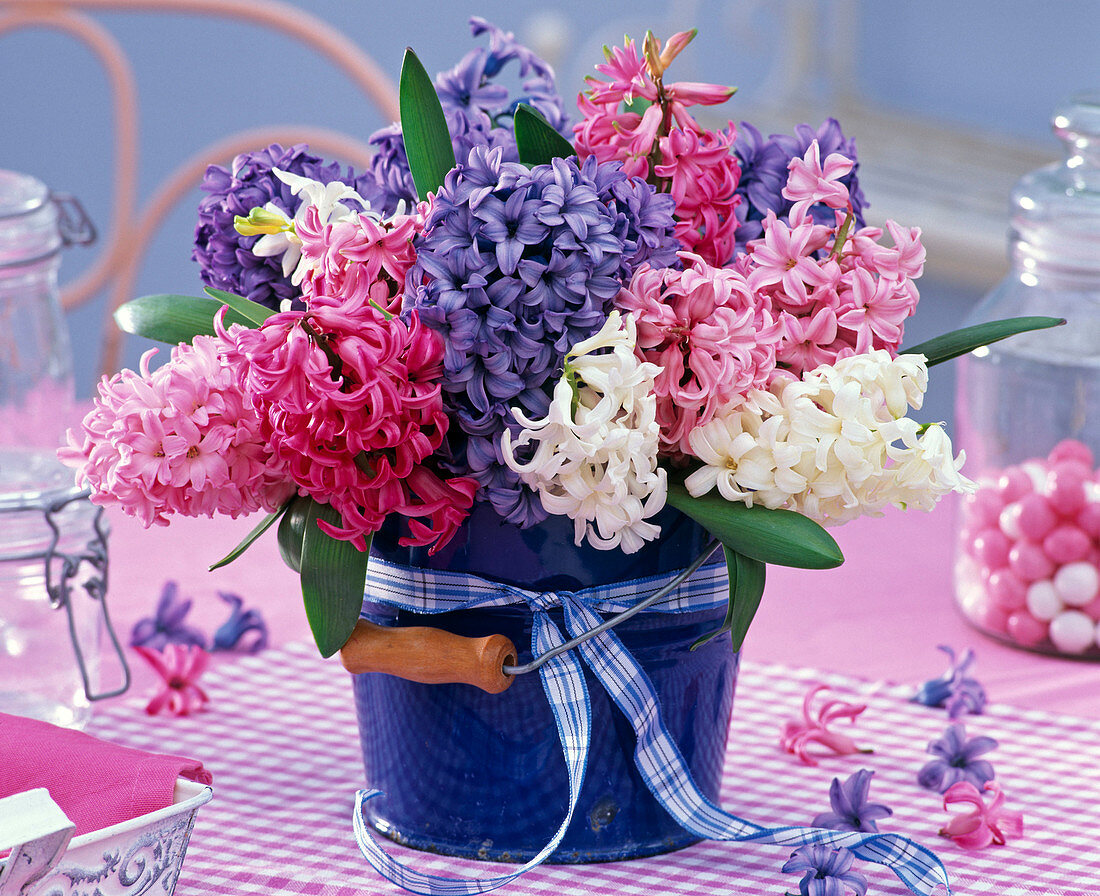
x: 434, y: 656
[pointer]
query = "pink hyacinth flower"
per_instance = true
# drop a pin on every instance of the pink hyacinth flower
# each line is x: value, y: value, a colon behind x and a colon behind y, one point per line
x: 983, y: 824
x: 798, y: 737
x: 712, y: 341
x: 810, y: 181
x: 179, y: 667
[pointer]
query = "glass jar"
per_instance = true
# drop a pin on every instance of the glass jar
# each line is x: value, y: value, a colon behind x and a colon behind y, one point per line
x: 53, y: 543
x: 53, y: 581
x: 37, y: 399
x: 1027, y: 567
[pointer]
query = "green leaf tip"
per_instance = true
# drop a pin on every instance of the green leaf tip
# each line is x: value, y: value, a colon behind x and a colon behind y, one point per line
x: 536, y: 141
x: 423, y: 127
x: 264, y: 524
x: 173, y: 319
x: 333, y: 572
x: 782, y: 537
x: 963, y: 341
x: 746, y: 582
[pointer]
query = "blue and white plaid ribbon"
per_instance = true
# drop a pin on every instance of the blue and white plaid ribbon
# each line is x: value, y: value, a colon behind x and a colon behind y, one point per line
x: 656, y: 755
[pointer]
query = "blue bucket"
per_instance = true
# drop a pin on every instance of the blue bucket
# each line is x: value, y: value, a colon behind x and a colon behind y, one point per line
x: 481, y: 776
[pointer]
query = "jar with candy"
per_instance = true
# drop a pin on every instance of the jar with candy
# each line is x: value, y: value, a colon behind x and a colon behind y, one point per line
x: 1028, y: 416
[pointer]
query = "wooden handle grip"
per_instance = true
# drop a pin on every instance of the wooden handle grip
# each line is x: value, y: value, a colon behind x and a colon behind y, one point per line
x: 430, y: 655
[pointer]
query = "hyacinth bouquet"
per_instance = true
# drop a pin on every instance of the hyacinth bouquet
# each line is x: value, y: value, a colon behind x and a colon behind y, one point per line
x: 592, y: 320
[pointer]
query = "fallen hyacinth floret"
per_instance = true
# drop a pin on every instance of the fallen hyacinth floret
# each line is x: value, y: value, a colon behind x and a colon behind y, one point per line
x: 954, y: 691
x: 167, y: 625
x: 957, y: 760
x: 813, y: 730
x: 826, y: 871
x: 244, y: 630
x: 834, y: 445
x: 850, y: 809
x: 179, y: 668
x: 595, y: 453
x: 983, y: 824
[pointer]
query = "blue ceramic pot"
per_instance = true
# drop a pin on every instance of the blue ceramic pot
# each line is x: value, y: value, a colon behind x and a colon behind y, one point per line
x: 480, y: 775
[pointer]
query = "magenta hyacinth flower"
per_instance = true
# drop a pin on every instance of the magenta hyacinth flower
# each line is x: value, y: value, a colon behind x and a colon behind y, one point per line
x: 179, y: 668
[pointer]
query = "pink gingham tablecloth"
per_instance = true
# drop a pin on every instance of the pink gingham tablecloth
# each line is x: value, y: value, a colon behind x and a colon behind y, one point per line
x: 280, y: 739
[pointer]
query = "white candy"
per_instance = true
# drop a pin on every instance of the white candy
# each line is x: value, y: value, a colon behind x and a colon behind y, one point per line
x: 1038, y: 475
x: 1043, y: 601
x: 1072, y: 631
x: 1009, y: 521
x: 1077, y: 583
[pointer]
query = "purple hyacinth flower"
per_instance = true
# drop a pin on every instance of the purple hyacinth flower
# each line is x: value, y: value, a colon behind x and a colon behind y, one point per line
x: 225, y: 257
x: 764, y: 174
x: 957, y: 760
x: 826, y: 871
x: 514, y: 267
x: 166, y: 625
x: 851, y: 811
x: 231, y: 634
x: 956, y: 692
x: 511, y: 226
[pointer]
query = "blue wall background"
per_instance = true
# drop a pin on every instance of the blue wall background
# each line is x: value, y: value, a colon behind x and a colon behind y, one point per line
x: 995, y: 67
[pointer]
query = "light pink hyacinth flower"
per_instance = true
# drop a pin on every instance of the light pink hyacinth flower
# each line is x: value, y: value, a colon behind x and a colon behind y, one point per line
x: 983, y: 824
x: 182, y: 439
x: 179, y: 667
x: 811, y: 180
x: 813, y: 730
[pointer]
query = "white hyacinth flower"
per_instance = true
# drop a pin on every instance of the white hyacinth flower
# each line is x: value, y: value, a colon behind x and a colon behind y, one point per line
x: 835, y: 445
x: 334, y: 201
x: 594, y: 456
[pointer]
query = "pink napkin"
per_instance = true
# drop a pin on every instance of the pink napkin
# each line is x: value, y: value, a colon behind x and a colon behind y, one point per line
x: 96, y: 783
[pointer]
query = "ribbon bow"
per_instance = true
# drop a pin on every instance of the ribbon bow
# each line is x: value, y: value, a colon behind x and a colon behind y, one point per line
x: 656, y: 754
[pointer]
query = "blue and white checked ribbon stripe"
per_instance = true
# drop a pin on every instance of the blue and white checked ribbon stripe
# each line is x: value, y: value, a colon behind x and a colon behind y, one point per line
x: 656, y: 755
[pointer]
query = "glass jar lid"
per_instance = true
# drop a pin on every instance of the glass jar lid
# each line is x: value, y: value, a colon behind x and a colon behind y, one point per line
x: 28, y: 220
x: 1056, y: 209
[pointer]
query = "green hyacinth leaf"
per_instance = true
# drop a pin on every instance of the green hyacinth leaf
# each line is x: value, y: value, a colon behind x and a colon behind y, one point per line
x: 174, y: 319
x: 266, y: 523
x: 746, y: 589
x: 334, y: 575
x: 246, y: 308
x: 423, y: 128
x: 960, y: 342
x: 292, y: 529
x: 782, y: 537
x: 536, y: 141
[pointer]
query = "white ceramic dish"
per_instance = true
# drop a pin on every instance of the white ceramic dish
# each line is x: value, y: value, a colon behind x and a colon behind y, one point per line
x: 143, y: 855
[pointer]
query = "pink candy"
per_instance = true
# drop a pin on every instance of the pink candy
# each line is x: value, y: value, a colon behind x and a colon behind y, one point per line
x: 1035, y: 517
x: 1035, y: 529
